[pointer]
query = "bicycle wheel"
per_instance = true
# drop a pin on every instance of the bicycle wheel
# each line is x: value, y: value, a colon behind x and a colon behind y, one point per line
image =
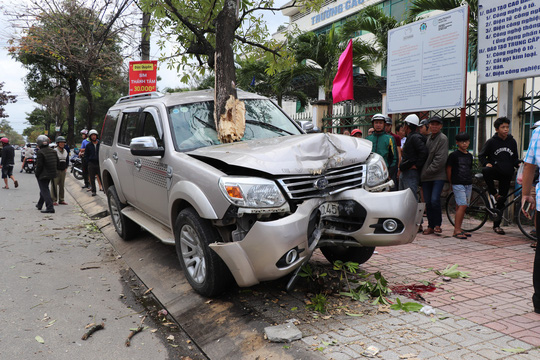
x: 476, y: 214
x: 525, y: 224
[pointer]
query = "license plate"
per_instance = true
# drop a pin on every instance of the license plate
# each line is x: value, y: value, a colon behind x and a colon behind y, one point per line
x: 329, y: 209
x: 30, y: 165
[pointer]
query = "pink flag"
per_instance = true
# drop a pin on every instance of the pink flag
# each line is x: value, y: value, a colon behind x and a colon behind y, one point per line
x: 343, y: 82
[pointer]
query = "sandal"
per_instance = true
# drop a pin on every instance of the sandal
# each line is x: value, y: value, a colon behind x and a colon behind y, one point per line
x: 5, y: 187
x: 466, y: 234
x: 533, y: 245
x: 437, y: 230
x: 16, y: 184
x: 498, y: 230
x: 428, y: 231
x: 460, y: 235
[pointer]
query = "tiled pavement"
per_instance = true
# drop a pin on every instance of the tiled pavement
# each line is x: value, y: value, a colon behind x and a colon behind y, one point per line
x: 487, y: 316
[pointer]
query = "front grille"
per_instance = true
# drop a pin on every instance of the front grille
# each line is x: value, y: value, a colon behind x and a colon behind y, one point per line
x: 336, y: 180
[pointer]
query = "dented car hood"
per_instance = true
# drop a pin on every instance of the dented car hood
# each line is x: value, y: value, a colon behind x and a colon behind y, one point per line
x: 297, y: 154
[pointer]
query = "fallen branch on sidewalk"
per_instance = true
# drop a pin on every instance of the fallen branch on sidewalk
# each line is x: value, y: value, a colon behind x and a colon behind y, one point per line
x: 135, y: 331
x: 92, y: 330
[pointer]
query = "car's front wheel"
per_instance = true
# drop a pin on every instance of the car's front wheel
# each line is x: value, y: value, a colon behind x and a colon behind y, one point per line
x: 124, y: 226
x: 204, y: 269
x: 345, y: 253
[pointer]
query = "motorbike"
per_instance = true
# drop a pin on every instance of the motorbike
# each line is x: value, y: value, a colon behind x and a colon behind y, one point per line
x: 30, y: 164
x: 76, y: 167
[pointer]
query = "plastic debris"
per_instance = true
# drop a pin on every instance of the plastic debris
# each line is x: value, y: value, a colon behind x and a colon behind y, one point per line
x: 428, y: 310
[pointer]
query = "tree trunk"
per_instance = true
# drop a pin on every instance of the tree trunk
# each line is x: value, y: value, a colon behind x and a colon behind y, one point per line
x: 87, y: 91
x: 229, y: 112
x: 482, y: 111
x: 145, y: 37
x: 72, y: 82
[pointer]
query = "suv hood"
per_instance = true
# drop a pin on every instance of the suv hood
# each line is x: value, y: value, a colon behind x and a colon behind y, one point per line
x: 297, y: 154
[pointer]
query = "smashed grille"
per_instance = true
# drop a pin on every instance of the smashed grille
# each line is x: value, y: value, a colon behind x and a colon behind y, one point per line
x: 305, y: 186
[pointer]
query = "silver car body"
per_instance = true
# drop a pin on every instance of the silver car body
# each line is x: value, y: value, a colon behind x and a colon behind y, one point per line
x: 157, y: 187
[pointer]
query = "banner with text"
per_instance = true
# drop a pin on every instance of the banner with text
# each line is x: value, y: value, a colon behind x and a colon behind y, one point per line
x: 508, y: 39
x: 427, y: 63
x: 142, y: 76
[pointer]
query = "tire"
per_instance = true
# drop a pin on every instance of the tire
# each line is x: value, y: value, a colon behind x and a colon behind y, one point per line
x: 476, y: 214
x: 77, y: 174
x: 346, y: 253
x: 525, y: 224
x: 203, y: 268
x: 124, y: 226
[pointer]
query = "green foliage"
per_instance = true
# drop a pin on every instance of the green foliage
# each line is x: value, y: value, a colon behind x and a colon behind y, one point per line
x: 10, y: 133
x: 407, y: 307
x: 5, y: 98
x: 318, y: 303
x: 452, y: 272
x: 307, y: 272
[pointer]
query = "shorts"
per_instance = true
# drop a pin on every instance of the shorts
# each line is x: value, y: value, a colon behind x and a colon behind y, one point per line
x: 7, y: 171
x: 462, y: 194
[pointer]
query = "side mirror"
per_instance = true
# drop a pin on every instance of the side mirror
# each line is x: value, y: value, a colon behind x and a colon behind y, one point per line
x: 145, y: 146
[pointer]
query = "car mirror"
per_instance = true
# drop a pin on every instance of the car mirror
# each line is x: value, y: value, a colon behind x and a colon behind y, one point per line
x: 145, y: 146
x: 307, y: 126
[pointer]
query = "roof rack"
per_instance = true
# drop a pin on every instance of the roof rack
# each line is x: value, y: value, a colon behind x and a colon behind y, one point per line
x: 147, y: 95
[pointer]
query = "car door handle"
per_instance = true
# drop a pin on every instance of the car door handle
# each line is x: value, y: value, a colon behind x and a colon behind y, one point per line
x: 138, y: 164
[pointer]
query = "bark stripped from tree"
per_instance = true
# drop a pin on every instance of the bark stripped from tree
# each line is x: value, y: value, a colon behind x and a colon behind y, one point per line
x: 229, y: 112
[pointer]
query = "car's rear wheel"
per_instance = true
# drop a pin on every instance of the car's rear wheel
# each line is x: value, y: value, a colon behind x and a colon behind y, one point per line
x: 346, y: 253
x: 204, y: 269
x: 124, y: 226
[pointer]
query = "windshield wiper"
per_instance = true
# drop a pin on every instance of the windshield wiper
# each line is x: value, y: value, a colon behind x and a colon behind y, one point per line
x: 268, y: 126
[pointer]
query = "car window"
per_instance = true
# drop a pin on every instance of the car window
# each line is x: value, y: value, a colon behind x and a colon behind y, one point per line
x: 109, y: 126
x: 150, y: 128
x: 128, y: 128
x: 193, y: 125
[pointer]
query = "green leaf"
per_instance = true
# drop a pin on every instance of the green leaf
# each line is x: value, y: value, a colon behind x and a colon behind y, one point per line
x: 24, y: 277
x: 40, y: 340
x: 353, y: 314
x: 515, y: 350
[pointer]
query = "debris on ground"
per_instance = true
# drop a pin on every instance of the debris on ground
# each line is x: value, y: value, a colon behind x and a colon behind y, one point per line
x: 93, y: 328
x: 283, y: 333
x: 135, y: 331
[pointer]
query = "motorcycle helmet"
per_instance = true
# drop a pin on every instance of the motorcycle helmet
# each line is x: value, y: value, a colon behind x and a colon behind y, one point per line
x: 60, y: 139
x: 84, y: 132
x: 388, y: 120
x: 42, y: 141
x: 92, y: 132
x: 377, y: 117
x: 4, y: 140
x: 412, y: 119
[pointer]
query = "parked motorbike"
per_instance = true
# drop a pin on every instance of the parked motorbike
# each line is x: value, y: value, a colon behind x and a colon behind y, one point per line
x: 76, y: 167
x: 30, y: 164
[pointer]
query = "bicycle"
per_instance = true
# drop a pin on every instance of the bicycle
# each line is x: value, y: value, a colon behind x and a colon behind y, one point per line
x: 482, y: 206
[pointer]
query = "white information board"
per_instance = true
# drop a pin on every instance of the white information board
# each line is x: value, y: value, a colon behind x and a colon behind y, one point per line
x: 427, y: 63
x: 508, y: 39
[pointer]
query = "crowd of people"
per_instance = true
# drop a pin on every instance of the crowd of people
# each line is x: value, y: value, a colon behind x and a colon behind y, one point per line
x: 51, y: 166
x: 418, y: 158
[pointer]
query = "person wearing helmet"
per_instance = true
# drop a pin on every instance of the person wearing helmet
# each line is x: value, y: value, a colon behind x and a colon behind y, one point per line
x: 29, y: 153
x: 357, y: 133
x: 91, y: 155
x: 46, y: 165
x: 433, y: 175
x: 8, y: 162
x: 393, y: 170
x: 383, y: 144
x: 85, y: 141
x: 413, y: 157
x: 57, y: 185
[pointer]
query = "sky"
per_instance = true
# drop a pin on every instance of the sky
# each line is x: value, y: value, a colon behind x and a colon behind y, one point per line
x: 12, y: 73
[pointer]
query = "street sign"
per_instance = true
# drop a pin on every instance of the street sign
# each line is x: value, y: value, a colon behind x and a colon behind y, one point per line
x: 508, y: 40
x: 427, y: 63
x: 142, y: 76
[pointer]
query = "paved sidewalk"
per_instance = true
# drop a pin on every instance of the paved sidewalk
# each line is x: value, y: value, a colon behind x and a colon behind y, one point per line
x: 487, y: 316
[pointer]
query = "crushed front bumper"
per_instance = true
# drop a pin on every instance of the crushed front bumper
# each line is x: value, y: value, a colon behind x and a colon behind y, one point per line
x: 355, y: 219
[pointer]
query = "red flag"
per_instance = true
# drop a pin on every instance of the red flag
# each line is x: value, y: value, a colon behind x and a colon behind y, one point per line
x: 343, y: 82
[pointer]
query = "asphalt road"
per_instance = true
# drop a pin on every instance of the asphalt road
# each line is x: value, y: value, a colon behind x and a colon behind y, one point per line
x: 58, y: 274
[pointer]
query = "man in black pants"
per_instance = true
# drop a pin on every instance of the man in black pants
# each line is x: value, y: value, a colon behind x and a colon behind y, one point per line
x: 499, y: 157
x: 85, y: 141
x: 46, y: 165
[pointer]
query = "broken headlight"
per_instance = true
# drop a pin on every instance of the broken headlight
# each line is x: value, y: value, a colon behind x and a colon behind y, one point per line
x: 377, y: 170
x: 251, y: 192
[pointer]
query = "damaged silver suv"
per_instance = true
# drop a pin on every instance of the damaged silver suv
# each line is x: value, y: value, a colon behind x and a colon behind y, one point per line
x: 252, y: 210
